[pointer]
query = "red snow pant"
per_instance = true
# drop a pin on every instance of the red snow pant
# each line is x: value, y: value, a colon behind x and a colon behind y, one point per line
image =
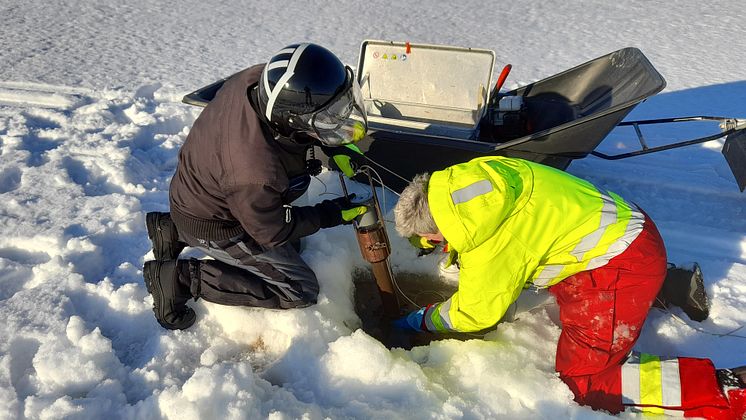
x: 602, y: 312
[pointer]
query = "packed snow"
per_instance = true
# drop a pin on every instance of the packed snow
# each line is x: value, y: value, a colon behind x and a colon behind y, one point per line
x: 90, y: 126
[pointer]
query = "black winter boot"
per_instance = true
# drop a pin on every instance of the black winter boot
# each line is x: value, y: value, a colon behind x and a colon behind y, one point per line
x: 732, y: 378
x: 164, y: 236
x: 685, y: 288
x: 169, y: 295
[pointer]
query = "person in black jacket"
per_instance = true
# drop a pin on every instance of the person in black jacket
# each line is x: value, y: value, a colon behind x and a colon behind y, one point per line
x: 242, y: 165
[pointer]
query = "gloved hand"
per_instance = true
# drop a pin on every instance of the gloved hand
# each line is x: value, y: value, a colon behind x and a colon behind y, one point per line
x: 338, y: 211
x: 345, y: 165
x: 313, y: 167
x: 412, y: 322
x: 348, y: 215
x: 423, y: 245
x: 451, y: 258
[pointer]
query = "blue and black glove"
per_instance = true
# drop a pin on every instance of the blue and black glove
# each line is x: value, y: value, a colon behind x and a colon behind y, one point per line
x: 414, y: 321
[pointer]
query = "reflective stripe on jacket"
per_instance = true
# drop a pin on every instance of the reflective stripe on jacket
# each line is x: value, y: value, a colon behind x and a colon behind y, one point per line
x: 515, y: 222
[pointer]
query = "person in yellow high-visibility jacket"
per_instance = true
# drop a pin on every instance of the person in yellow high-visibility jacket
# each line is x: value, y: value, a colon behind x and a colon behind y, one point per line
x: 518, y: 224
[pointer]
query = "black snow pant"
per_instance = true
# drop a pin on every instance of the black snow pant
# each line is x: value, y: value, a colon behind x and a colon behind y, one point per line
x: 245, y: 274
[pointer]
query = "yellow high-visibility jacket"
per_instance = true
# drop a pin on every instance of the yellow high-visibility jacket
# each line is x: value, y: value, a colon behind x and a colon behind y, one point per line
x: 515, y: 222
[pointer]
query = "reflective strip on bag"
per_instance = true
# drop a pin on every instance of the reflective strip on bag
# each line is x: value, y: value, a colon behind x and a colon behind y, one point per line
x: 651, y: 382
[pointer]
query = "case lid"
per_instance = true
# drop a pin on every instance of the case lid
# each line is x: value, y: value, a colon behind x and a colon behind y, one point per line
x: 426, y: 83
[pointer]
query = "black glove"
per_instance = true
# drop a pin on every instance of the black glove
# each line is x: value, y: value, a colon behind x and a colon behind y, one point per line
x: 330, y: 211
x: 313, y: 167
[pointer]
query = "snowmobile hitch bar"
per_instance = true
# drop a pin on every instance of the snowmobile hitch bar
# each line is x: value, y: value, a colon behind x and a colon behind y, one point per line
x: 734, y: 148
x: 728, y: 125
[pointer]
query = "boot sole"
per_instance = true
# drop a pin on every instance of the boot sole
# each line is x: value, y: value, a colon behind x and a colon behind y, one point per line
x: 151, y: 272
x: 698, y: 305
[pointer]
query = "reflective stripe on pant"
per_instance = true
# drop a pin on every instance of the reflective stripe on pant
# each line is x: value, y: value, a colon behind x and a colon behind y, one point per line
x: 671, y: 385
x: 602, y: 312
x: 245, y: 274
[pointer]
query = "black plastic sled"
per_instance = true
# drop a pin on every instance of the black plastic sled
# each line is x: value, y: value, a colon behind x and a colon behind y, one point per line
x: 433, y: 106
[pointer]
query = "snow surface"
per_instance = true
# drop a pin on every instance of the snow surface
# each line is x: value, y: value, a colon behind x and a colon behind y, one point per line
x: 90, y: 126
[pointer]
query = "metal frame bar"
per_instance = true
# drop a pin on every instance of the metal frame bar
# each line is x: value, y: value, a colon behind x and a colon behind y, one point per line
x: 728, y: 125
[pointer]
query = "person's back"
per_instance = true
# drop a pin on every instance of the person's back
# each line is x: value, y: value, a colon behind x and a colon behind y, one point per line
x: 198, y: 187
x: 241, y: 167
x: 566, y: 222
x: 228, y: 159
x: 515, y: 222
x: 537, y: 224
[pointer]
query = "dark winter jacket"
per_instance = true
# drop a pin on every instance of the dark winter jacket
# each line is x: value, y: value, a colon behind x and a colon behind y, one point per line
x: 233, y: 175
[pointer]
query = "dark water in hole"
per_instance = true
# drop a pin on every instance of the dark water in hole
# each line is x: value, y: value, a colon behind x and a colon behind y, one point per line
x: 421, y: 288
